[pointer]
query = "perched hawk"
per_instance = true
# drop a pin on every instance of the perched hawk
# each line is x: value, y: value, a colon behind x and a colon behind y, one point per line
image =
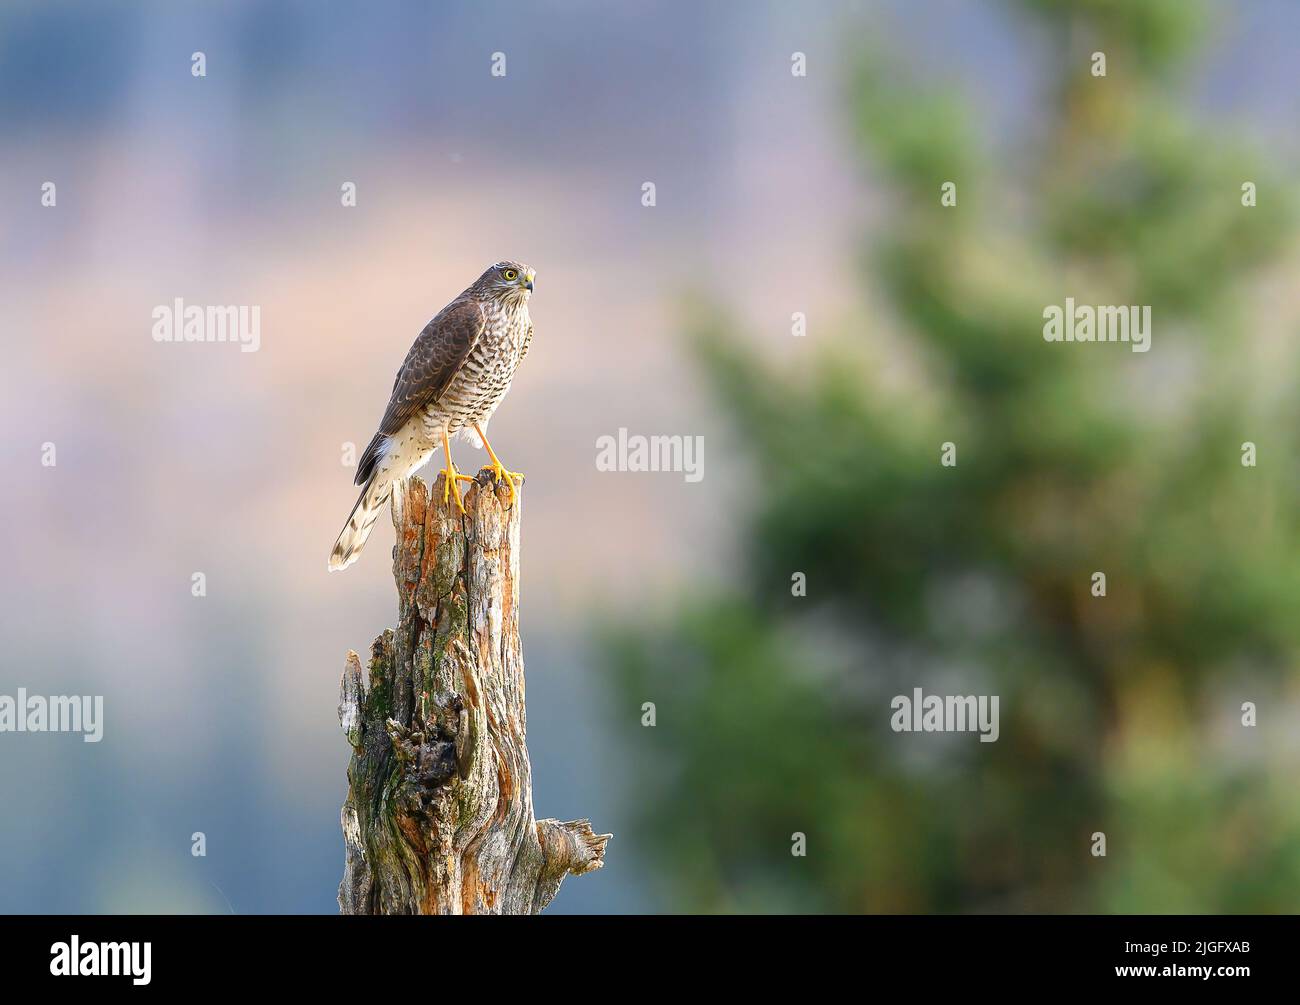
x: 453, y: 379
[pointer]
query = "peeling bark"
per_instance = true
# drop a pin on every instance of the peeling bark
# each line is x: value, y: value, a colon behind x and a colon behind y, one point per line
x: 439, y: 814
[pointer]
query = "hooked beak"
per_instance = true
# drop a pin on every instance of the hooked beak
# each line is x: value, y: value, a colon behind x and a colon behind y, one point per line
x: 527, y: 281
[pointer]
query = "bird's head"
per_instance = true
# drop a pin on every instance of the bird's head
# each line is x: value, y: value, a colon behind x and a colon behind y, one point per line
x: 509, y: 281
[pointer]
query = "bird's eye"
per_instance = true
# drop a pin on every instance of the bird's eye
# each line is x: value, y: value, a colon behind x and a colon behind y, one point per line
x: 510, y: 275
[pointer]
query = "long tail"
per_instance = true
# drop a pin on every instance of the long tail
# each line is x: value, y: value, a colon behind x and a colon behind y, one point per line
x: 347, y: 549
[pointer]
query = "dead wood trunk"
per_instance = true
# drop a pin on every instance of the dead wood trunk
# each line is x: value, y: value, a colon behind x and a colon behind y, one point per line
x: 439, y: 814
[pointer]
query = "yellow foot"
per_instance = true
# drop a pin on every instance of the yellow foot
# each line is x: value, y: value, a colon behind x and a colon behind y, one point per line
x: 501, y: 474
x: 450, y: 488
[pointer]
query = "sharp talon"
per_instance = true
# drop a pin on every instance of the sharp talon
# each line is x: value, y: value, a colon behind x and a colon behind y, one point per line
x: 451, y: 475
x: 500, y: 473
x: 451, y: 489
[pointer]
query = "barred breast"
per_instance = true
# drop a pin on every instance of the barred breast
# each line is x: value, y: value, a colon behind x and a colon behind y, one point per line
x: 483, y: 380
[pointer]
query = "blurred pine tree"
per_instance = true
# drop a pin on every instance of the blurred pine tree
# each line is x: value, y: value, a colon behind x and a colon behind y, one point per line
x: 1119, y: 714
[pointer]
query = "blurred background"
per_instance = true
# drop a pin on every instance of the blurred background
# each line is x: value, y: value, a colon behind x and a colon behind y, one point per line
x: 776, y: 194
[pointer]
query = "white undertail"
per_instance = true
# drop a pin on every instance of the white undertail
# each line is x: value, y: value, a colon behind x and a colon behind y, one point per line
x: 400, y: 456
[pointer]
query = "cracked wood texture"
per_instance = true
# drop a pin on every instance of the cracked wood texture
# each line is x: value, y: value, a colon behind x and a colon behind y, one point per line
x: 439, y: 813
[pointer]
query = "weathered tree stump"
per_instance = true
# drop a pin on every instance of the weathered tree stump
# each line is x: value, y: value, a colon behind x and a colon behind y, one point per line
x: 439, y: 814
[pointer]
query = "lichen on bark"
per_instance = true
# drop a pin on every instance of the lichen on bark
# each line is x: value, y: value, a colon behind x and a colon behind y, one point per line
x: 439, y: 812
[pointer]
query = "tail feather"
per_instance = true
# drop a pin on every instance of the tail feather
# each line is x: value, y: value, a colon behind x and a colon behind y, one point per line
x: 347, y: 549
x: 370, y: 458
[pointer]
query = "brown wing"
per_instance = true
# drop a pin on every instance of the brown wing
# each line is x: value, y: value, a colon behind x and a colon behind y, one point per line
x: 436, y: 356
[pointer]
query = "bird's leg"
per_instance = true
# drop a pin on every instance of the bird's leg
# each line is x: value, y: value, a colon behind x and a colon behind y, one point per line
x: 499, y: 469
x: 449, y: 486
